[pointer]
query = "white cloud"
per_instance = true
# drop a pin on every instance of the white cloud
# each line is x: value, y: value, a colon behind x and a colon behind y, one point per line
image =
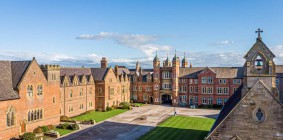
x: 222, y: 42
x: 140, y: 42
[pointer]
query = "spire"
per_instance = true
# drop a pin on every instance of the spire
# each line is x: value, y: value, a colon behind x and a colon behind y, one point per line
x: 175, y: 57
x: 156, y: 57
x: 184, y: 59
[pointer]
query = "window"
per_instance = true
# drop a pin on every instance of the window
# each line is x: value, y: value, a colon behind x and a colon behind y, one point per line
x: 196, y: 100
x: 210, y: 90
x: 81, y: 92
x: 191, y: 89
x: 134, y: 79
x: 35, y: 114
x: 203, y: 80
x: 167, y: 86
x: 90, y: 104
x: 203, y: 89
x: 111, y: 91
x: 259, y: 115
x: 234, y: 81
x: 219, y: 101
x: 140, y: 87
x: 196, y: 89
x: 209, y: 80
x: 53, y: 100
x: 71, y: 93
x: 225, y: 90
x: 166, y: 75
x: 134, y: 88
x: 71, y: 108
x: 239, y: 81
x: 219, y: 90
x: 222, y: 81
x: 30, y: 90
x: 39, y: 90
x: 10, y: 120
x: 183, y: 89
x: 203, y: 100
x: 81, y: 106
x: 145, y: 97
x: 100, y: 91
x: 191, y: 81
x: 209, y: 101
x: 183, y: 98
x: 90, y: 91
x: 277, y: 81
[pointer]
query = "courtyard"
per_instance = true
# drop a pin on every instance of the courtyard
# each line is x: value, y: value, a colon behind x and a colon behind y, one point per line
x: 139, y: 121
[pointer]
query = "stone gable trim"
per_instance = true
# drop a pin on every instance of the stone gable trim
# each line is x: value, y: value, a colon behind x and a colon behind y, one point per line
x: 259, y: 81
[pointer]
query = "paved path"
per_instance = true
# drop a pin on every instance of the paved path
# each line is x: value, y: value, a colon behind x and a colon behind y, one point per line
x: 134, y: 123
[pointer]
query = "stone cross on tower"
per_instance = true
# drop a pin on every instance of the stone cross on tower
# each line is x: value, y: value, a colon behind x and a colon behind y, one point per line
x: 258, y: 32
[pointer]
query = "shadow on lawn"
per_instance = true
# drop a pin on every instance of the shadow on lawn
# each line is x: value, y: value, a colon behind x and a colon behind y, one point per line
x: 122, y: 131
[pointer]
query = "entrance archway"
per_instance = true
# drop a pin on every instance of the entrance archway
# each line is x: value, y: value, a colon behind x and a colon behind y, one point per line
x: 23, y: 127
x: 166, y: 99
x: 151, y: 100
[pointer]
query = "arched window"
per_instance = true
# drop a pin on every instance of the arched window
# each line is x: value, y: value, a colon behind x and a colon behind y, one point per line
x: 10, y: 117
x: 258, y: 63
x: 37, y: 114
x: 90, y: 91
x: 31, y: 116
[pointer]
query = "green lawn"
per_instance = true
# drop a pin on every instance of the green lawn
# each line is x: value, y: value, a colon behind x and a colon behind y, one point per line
x: 99, y: 116
x: 180, y: 128
x: 63, y: 131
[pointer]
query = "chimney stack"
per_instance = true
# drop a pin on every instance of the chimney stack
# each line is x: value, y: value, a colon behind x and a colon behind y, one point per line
x: 104, y: 62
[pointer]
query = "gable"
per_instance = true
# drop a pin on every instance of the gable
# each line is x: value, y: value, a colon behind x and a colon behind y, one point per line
x: 259, y: 46
x: 207, y: 71
x: 110, y: 76
x: 258, y: 97
x: 33, y: 71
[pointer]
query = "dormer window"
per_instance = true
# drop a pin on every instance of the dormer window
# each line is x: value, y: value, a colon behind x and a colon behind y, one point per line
x: 258, y: 63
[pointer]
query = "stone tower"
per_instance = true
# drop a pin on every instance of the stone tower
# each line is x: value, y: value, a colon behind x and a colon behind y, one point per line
x: 175, y: 79
x: 156, y: 80
x: 184, y: 61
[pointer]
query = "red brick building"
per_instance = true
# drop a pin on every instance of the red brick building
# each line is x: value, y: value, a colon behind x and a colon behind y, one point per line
x: 29, y: 97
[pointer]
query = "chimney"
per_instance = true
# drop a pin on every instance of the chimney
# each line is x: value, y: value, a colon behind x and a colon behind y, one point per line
x: 104, y: 62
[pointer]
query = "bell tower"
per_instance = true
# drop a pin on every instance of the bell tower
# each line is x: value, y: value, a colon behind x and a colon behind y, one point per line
x: 259, y: 65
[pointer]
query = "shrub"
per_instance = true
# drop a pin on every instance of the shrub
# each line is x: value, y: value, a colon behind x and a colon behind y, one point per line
x: 63, y: 118
x: 50, y: 127
x: 74, y: 126
x: 108, y: 108
x: 99, y: 109
x: 64, y: 126
x: 28, y: 136
x: 92, y: 121
x: 44, y: 128
x: 125, y: 105
x: 38, y: 130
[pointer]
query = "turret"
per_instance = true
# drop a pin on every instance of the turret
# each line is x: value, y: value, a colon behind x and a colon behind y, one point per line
x: 184, y: 61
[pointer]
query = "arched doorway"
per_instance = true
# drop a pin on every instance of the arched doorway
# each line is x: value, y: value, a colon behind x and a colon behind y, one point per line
x: 151, y: 100
x: 23, y: 127
x: 166, y: 99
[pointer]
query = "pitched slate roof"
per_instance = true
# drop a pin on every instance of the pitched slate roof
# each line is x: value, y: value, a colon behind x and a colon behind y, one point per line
x: 221, y: 72
x: 76, y: 71
x: 18, y: 70
x: 123, y: 70
x: 6, y: 82
x: 99, y: 73
x: 227, y: 108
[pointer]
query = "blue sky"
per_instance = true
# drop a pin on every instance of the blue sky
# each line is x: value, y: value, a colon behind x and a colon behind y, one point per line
x: 79, y: 33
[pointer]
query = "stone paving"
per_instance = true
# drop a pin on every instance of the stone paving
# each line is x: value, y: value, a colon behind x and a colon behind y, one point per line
x: 134, y: 123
